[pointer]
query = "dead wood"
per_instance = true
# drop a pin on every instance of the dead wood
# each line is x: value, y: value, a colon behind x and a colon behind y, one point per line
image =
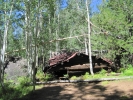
x: 80, y: 80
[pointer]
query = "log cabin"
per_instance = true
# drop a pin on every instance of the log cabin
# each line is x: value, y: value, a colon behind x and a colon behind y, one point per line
x: 75, y: 63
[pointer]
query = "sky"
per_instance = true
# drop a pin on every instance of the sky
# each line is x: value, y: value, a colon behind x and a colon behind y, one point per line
x: 94, y: 5
x: 94, y: 8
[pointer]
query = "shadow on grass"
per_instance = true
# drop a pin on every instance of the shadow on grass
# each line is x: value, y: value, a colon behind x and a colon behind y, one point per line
x: 79, y: 91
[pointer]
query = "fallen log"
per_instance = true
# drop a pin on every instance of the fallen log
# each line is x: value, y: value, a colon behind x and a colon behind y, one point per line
x: 80, y: 80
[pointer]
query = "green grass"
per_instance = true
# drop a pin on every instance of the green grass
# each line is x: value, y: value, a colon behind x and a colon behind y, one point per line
x: 103, y: 74
x: 105, y: 83
x: 128, y: 71
x: 74, y: 78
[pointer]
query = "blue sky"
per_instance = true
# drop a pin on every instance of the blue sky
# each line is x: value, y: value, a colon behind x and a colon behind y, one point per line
x: 94, y: 8
x: 94, y: 4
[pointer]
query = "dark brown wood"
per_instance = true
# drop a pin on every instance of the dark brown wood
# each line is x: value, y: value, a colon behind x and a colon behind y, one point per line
x: 79, y: 71
x: 63, y: 78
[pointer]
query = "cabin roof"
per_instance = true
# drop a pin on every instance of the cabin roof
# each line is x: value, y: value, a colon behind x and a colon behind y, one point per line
x: 64, y: 57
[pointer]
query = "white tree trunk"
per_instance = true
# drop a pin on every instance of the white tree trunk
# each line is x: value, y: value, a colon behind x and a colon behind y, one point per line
x: 50, y: 52
x: 28, y: 35
x: 4, y: 43
x: 86, y: 47
x: 89, y: 43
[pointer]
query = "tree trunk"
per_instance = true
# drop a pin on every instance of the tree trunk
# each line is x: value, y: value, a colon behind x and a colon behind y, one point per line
x: 3, y: 46
x: 50, y: 37
x: 89, y: 39
x: 86, y: 47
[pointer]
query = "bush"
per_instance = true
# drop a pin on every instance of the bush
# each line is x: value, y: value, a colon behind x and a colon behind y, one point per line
x: 66, y: 75
x: 24, y: 81
x: 40, y: 75
x: 48, y: 77
x: 15, y: 91
x: 103, y: 72
x: 24, y: 85
x: 86, y: 76
x: 128, y: 71
x: 121, y: 70
x: 73, y: 78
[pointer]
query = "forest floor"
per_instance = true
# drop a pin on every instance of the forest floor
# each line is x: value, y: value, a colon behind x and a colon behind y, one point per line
x: 106, y: 90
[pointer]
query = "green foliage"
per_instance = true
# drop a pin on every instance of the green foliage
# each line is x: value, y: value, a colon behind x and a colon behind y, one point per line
x: 86, y: 76
x: 128, y: 71
x: 105, y: 82
x: 100, y: 74
x: 121, y: 70
x: 112, y: 73
x: 66, y: 75
x: 15, y: 91
x: 40, y: 75
x: 24, y: 81
x: 73, y: 77
x: 97, y: 76
x: 9, y: 93
x: 47, y: 77
x: 24, y: 85
x: 103, y: 72
x: 118, y: 26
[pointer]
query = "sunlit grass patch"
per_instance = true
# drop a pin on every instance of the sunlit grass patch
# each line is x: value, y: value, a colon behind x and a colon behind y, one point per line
x: 105, y: 82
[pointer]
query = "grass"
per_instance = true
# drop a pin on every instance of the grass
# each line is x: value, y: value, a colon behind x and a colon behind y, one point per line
x: 39, y: 86
x: 105, y: 83
x: 74, y: 78
x: 103, y: 74
x: 128, y: 71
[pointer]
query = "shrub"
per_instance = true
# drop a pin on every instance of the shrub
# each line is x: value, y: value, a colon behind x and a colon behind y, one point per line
x: 15, y: 91
x: 24, y: 85
x: 66, y: 75
x: 103, y: 72
x: 128, y: 71
x: 86, y: 76
x: 24, y: 81
x: 73, y: 78
x: 48, y: 77
x: 40, y: 75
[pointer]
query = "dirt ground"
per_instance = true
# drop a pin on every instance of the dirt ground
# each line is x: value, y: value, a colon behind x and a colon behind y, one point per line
x: 107, y: 90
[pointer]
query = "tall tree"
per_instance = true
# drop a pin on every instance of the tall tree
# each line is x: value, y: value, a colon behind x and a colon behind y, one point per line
x: 89, y: 37
x: 119, y: 27
x: 6, y: 12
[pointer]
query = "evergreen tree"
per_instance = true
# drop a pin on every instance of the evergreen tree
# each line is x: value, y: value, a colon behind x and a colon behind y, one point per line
x: 115, y: 20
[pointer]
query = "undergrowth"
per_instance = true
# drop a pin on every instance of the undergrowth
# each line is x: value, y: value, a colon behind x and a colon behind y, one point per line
x: 44, y: 77
x: 103, y: 74
x: 13, y: 91
x: 127, y: 71
x: 73, y: 77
